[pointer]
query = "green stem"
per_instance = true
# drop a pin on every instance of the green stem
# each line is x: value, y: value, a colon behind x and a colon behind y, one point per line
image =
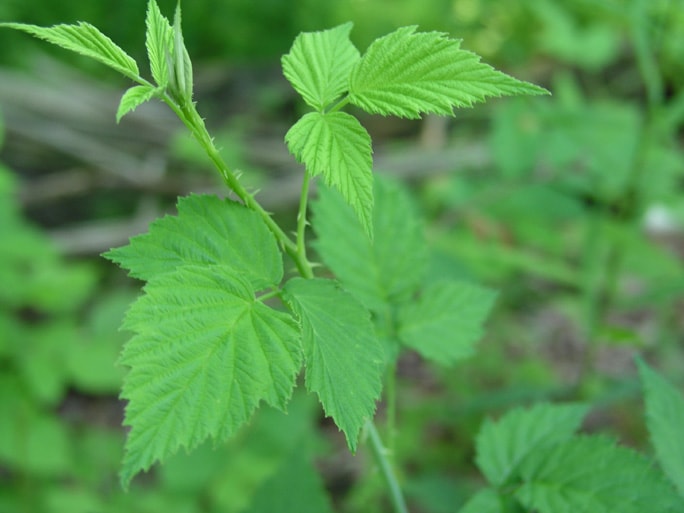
x: 306, y: 271
x: 296, y: 250
x: 380, y: 454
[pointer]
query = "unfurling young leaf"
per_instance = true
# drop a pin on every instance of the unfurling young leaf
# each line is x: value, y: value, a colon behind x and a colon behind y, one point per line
x: 343, y: 358
x: 133, y: 98
x: 407, y: 73
x: 338, y: 147
x: 180, y: 66
x: 159, y: 43
x: 86, y: 40
x: 204, y: 355
x: 319, y: 63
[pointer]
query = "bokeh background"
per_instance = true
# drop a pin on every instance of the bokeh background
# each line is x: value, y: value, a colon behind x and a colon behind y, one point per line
x: 571, y: 206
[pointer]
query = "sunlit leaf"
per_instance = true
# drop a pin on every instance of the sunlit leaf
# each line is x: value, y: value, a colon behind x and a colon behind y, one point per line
x: 342, y: 355
x: 338, y: 147
x: 207, y: 231
x: 407, y: 73
x: 159, y: 43
x: 319, y: 64
x: 204, y: 355
x: 134, y: 97
x: 86, y: 40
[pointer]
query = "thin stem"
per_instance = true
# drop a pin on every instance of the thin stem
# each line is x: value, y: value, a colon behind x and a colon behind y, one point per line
x: 380, y: 454
x: 307, y: 272
x: 344, y: 101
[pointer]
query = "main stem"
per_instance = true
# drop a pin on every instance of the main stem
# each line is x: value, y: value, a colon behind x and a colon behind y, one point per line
x: 187, y: 112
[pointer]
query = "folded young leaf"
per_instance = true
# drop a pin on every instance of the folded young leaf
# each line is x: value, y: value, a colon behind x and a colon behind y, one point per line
x: 338, y: 147
x: 86, y: 40
x: 665, y: 421
x: 446, y: 321
x: 407, y: 73
x: 593, y: 475
x: 319, y: 64
x: 503, y: 445
x: 159, y: 43
x: 204, y: 355
x: 134, y: 97
x: 387, y: 269
x: 207, y: 231
x: 343, y: 358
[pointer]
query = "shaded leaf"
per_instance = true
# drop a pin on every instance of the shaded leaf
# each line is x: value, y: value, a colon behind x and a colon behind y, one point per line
x: 386, y: 270
x: 204, y: 355
x: 446, y: 321
x: 593, y: 475
x: 407, y: 73
x: 338, y: 147
x: 342, y: 355
x: 319, y: 63
x: 503, y: 445
x: 484, y: 501
x: 665, y: 421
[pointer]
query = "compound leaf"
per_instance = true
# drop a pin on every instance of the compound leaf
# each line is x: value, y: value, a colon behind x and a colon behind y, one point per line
x: 593, y: 475
x: 337, y: 146
x: 665, y: 419
x: 204, y: 354
x: 446, y: 321
x: 503, y: 445
x: 159, y: 43
x: 407, y: 73
x: 319, y: 64
x: 387, y: 269
x: 342, y: 355
x: 207, y: 231
x: 134, y: 97
x: 84, y: 39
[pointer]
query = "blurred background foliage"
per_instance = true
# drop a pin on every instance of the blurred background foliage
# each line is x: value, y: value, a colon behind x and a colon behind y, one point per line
x: 572, y: 207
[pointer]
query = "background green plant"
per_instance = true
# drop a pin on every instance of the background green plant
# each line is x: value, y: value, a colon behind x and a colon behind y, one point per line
x: 539, y: 314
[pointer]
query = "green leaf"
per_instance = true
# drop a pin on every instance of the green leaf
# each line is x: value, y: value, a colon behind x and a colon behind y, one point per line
x: 319, y: 64
x: 206, y: 231
x: 180, y: 79
x: 665, y: 420
x: 502, y: 446
x: 342, y: 355
x: 159, y: 43
x: 134, y: 97
x: 204, y: 355
x: 386, y: 270
x: 337, y: 146
x: 446, y: 321
x: 407, y: 73
x: 86, y: 40
x: 295, y: 488
x: 593, y: 475
x: 484, y: 501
